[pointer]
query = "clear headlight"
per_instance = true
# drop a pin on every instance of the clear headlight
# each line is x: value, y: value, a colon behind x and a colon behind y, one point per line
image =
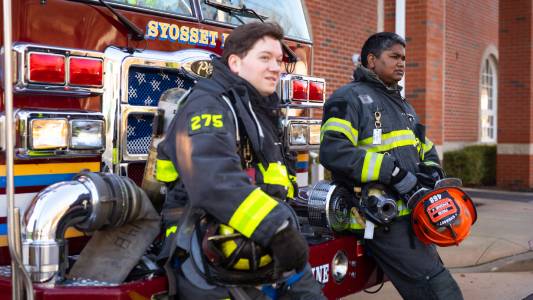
x: 48, y: 134
x: 314, y: 134
x: 339, y: 266
x: 298, y: 134
x: 86, y: 134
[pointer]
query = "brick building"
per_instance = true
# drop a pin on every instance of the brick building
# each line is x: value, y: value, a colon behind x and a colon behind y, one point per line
x: 469, y: 68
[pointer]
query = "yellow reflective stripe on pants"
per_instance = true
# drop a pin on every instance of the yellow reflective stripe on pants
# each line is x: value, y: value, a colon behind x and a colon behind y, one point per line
x: 371, y: 167
x: 342, y: 126
x: 390, y: 141
x: 165, y: 171
x: 252, y: 211
x: 276, y: 173
x: 171, y: 230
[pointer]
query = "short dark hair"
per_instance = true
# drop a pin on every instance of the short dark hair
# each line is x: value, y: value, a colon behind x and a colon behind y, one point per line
x: 244, y: 37
x: 379, y: 42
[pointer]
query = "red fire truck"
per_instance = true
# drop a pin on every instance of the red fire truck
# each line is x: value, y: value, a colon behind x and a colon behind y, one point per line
x: 82, y: 81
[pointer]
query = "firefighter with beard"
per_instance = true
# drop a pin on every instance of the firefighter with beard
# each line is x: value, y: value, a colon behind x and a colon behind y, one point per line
x: 371, y: 134
x: 223, y: 154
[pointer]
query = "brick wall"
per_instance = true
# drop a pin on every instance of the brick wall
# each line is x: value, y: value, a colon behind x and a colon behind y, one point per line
x: 515, y: 109
x: 390, y: 15
x: 424, y: 63
x: 339, y: 30
x: 471, y: 27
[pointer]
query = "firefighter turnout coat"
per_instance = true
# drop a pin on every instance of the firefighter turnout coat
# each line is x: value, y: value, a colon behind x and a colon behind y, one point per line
x: 225, y: 146
x: 366, y: 127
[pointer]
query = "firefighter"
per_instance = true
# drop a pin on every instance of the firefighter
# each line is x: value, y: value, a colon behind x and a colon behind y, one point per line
x: 370, y: 134
x: 225, y: 145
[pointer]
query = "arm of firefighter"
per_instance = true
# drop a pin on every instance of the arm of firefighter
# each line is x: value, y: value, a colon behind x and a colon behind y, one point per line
x: 426, y: 148
x: 428, y: 152
x: 213, y: 177
x: 339, y: 151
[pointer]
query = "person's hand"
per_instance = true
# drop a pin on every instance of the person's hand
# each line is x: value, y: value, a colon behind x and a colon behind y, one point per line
x: 402, y: 181
x: 290, y: 250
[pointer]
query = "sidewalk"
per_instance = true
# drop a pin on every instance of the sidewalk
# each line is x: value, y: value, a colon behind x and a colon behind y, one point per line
x: 504, y: 228
x: 496, y: 260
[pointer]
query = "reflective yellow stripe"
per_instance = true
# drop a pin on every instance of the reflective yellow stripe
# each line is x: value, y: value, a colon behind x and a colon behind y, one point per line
x: 424, y: 148
x: 390, y: 141
x: 277, y: 174
x: 171, y: 230
x: 165, y: 171
x: 251, y: 212
x: 427, y: 145
x: 342, y: 126
x: 371, y: 167
x: 403, y: 210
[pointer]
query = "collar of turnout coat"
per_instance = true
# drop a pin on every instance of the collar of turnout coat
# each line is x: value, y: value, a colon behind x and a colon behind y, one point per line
x: 362, y: 74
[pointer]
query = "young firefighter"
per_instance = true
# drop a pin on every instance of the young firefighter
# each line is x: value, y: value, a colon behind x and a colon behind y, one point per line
x: 372, y: 134
x: 226, y: 128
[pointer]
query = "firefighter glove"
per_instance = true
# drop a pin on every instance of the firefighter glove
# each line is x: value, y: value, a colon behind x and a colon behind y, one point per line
x: 290, y: 250
x: 403, y: 181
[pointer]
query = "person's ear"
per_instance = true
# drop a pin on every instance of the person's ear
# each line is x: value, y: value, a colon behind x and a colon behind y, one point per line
x: 234, y: 63
x: 371, y: 61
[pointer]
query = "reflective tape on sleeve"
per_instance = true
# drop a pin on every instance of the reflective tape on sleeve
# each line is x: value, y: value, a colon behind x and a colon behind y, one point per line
x: 371, y: 167
x: 165, y: 171
x: 276, y: 173
x: 341, y: 126
x: 252, y: 211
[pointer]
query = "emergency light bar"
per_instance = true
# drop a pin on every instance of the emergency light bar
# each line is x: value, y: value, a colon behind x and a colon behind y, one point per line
x: 302, y: 90
x: 58, y: 71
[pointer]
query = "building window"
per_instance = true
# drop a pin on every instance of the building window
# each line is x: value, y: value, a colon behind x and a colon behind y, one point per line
x: 488, y: 101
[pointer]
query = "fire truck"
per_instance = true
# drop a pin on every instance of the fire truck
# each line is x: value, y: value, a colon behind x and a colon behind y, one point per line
x: 82, y: 81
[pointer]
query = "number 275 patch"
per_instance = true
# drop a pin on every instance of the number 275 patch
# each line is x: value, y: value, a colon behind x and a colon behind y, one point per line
x: 205, y: 123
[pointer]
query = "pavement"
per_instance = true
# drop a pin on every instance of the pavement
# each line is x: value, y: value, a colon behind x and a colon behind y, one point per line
x: 496, y: 260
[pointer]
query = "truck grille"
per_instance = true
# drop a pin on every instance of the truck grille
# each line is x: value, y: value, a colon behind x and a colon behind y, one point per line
x: 139, y: 133
x: 145, y: 87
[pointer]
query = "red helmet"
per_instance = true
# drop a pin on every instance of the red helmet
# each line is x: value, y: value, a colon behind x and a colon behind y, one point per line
x: 443, y: 216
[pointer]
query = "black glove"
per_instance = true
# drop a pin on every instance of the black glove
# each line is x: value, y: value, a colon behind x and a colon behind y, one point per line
x: 290, y: 250
x: 403, y: 181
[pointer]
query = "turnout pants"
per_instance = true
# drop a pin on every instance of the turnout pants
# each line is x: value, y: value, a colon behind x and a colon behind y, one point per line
x: 305, y: 288
x: 414, y: 269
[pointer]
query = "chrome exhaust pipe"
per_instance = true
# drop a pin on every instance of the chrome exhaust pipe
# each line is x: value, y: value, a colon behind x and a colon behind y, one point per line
x: 90, y: 202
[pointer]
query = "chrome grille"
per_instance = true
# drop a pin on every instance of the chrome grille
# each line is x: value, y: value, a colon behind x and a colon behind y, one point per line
x: 145, y: 87
x: 147, y: 84
x: 139, y: 133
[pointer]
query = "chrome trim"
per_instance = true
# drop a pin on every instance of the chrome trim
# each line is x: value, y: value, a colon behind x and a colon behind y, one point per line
x: 126, y: 111
x: 24, y: 86
x: 49, y: 215
x: 86, y: 203
x: 178, y: 60
x: 110, y: 104
x: 23, y: 121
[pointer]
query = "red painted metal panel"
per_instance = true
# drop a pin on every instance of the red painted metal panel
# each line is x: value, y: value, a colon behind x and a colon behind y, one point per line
x: 361, y: 268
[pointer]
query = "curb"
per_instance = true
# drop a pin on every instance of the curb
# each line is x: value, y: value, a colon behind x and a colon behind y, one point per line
x: 522, y: 262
